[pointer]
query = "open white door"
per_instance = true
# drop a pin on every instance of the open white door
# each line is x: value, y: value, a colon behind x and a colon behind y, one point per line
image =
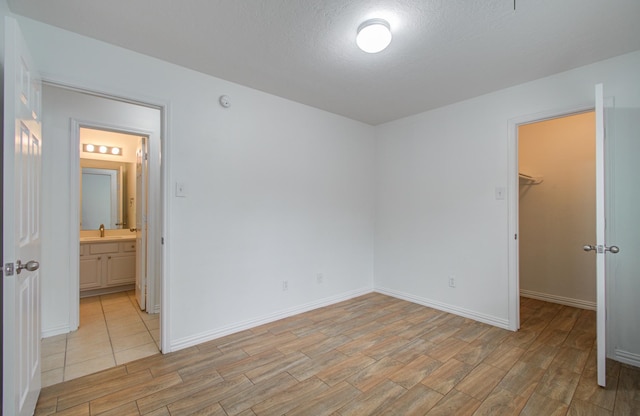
x: 601, y: 319
x: 601, y: 248
x: 21, y: 222
x: 141, y: 223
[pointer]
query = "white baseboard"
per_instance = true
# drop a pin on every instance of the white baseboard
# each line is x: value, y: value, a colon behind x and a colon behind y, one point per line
x: 487, y: 319
x: 627, y: 357
x: 576, y: 303
x: 186, y: 342
x: 58, y: 330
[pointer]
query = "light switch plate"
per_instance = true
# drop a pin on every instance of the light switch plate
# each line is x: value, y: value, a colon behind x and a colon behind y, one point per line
x: 181, y: 190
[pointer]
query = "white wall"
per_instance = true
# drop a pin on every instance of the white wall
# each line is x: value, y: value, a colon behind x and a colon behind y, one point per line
x: 437, y: 216
x: 558, y: 215
x: 436, y: 210
x: 276, y: 190
x: 4, y: 11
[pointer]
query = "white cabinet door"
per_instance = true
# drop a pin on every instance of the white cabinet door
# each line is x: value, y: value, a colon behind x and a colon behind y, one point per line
x: 90, y: 272
x: 121, y: 269
x: 21, y: 222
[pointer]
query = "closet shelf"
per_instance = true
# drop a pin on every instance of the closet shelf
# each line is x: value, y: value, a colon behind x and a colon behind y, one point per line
x: 532, y: 180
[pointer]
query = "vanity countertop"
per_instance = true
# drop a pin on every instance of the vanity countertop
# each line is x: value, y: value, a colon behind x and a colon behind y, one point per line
x: 107, y: 238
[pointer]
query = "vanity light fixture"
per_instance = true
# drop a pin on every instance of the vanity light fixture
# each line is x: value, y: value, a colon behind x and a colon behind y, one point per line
x: 374, y: 35
x: 94, y: 148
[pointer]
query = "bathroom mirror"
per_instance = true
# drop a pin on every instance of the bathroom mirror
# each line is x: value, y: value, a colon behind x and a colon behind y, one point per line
x: 103, y: 194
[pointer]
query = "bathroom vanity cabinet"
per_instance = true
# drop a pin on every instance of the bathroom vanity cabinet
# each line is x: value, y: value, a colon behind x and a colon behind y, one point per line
x: 107, y: 266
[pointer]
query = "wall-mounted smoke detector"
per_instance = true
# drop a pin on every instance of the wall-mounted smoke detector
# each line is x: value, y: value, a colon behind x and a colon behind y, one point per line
x: 225, y: 101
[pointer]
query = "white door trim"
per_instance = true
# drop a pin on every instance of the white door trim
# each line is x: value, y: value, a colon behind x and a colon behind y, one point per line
x: 163, y: 211
x: 512, y: 183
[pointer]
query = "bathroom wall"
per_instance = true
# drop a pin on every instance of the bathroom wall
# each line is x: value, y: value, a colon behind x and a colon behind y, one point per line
x: 557, y: 216
x: 128, y: 143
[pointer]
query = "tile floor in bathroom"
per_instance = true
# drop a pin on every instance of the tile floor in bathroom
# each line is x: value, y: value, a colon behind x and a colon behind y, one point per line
x: 113, y: 330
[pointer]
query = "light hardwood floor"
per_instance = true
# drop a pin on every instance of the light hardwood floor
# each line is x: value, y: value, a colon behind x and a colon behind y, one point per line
x: 369, y: 355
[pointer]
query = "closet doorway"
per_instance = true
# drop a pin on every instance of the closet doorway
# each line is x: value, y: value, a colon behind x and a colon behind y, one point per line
x: 556, y: 209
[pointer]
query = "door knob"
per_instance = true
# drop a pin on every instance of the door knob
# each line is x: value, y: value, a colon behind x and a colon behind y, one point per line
x: 601, y: 249
x: 31, y: 266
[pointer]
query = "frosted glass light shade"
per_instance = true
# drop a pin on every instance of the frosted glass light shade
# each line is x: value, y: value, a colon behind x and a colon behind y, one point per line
x: 374, y: 35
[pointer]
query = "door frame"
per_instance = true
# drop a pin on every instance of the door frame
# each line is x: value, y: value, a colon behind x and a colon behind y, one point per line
x: 162, y: 212
x: 513, y: 283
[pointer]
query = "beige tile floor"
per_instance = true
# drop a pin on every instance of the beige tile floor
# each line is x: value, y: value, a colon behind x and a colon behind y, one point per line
x: 112, y: 331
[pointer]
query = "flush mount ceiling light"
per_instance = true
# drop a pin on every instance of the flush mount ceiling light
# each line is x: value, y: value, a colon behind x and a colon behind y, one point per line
x: 373, y: 35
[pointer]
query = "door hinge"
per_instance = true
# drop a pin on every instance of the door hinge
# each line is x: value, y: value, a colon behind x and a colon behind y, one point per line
x: 146, y: 156
x: 162, y: 240
x: 515, y: 237
x: 8, y: 269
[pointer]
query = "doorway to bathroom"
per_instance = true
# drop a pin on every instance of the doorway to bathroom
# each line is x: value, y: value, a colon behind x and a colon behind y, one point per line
x: 92, y: 318
x: 114, y: 181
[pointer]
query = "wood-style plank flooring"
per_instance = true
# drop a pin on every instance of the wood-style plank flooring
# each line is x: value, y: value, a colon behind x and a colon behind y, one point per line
x: 370, y: 355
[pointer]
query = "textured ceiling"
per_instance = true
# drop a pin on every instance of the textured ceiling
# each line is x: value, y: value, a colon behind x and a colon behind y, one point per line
x: 442, y: 51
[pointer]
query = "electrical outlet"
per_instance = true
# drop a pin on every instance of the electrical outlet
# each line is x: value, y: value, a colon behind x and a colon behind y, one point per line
x: 452, y: 281
x: 319, y: 278
x: 285, y: 285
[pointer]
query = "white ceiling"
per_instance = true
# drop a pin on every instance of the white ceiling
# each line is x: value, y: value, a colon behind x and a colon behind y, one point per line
x: 442, y: 51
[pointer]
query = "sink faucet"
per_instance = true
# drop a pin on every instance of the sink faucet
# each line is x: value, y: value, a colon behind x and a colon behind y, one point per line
x: 101, y: 230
